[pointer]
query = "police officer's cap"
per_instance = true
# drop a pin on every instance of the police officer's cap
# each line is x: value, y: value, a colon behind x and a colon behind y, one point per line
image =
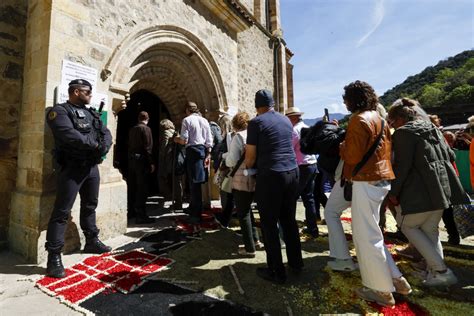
x: 80, y: 82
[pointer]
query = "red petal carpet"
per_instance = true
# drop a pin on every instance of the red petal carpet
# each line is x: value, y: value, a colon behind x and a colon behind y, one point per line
x: 123, y: 272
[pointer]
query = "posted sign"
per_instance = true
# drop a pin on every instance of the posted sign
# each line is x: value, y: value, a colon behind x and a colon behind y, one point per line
x: 71, y: 71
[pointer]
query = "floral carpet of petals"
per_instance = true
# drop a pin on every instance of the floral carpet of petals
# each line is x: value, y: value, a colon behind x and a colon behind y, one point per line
x: 207, y: 223
x: 123, y: 272
x: 338, y: 294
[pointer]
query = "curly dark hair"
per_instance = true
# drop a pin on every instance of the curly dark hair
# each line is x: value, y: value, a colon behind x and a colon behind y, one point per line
x: 360, y: 96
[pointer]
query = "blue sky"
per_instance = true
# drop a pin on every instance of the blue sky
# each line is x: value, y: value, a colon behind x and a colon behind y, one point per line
x: 379, y: 41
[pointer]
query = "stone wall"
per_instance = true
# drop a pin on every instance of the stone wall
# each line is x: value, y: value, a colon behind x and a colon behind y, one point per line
x: 12, y: 48
x: 255, y: 56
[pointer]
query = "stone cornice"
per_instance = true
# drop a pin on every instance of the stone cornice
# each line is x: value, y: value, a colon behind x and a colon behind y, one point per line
x: 231, y: 12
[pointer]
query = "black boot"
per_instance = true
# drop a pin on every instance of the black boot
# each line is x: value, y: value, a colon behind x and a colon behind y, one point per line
x: 55, y: 268
x: 94, y: 245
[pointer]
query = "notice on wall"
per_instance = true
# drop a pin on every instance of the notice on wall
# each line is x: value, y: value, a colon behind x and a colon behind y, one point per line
x: 71, y: 71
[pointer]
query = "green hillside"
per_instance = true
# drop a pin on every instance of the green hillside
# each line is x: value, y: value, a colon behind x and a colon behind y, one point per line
x: 449, y: 83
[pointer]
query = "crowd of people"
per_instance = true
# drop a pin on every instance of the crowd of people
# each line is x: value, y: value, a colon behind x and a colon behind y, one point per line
x: 401, y: 160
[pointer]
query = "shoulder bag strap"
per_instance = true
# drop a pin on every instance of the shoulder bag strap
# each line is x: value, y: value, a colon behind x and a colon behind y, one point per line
x: 236, y: 167
x: 370, y: 152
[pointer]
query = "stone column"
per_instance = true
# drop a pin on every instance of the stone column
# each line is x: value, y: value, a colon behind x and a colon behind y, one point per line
x: 29, y: 197
x: 12, y: 42
x: 275, y: 21
x: 282, y: 81
x: 289, y: 78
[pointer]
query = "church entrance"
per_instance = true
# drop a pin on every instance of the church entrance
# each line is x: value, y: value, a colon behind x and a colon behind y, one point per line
x: 161, y: 68
x: 140, y: 100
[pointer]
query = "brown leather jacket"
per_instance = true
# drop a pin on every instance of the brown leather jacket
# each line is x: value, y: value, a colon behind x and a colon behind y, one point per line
x: 362, y: 131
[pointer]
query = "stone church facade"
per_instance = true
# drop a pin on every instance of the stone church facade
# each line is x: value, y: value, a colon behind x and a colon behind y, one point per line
x: 148, y: 54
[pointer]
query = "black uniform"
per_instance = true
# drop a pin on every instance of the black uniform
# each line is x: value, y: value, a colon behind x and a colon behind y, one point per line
x: 81, y: 140
x: 140, y: 144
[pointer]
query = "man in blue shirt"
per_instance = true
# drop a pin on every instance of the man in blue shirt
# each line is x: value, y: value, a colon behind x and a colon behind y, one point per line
x: 269, y: 146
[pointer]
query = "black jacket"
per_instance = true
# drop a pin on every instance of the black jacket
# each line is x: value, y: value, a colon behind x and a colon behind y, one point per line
x: 323, y: 139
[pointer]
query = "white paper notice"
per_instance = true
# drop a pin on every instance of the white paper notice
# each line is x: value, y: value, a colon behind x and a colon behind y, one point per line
x: 71, y: 71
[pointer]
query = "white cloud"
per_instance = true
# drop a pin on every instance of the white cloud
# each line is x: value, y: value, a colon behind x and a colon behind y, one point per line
x: 377, y: 18
x: 337, y: 108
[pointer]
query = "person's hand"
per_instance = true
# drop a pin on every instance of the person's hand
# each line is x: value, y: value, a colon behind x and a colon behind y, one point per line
x: 152, y: 168
x: 393, y: 200
x: 207, y: 161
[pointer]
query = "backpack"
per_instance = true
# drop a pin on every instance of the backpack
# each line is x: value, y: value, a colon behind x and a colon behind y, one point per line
x: 216, y: 140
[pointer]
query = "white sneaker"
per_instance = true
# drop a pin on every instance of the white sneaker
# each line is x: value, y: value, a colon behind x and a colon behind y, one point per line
x: 342, y: 265
x: 401, y: 285
x: 245, y: 253
x: 381, y: 298
x: 436, y: 278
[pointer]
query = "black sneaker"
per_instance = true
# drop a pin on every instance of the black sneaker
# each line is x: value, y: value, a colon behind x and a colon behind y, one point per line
x: 312, y: 233
x: 96, y: 246
x: 218, y: 218
x: 454, y: 240
x: 271, y: 276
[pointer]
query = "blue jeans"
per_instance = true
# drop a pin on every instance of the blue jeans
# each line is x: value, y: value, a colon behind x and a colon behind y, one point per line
x: 323, y: 183
x: 305, y: 190
x: 196, y: 175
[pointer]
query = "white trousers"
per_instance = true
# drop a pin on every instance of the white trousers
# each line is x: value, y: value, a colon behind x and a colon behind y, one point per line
x: 377, y: 267
x: 332, y: 214
x: 422, y: 231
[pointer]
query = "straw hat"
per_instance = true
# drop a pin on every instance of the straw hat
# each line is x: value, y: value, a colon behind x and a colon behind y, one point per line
x: 293, y: 111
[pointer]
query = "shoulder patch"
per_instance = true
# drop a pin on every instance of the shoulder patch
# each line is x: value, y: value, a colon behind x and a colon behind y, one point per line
x: 52, y: 115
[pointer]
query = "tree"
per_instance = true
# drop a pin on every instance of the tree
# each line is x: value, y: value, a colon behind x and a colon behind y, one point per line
x: 431, y: 96
x: 463, y: 94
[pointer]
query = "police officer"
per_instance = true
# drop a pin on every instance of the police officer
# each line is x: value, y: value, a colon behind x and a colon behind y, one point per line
x: 140, y: 165
x: 81, y: 140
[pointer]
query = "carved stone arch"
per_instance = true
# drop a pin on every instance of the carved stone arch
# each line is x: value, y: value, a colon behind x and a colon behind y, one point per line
x: 165, y: 57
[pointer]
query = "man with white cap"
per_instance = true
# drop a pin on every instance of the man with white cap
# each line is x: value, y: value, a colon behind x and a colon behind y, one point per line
x: 308, y: 170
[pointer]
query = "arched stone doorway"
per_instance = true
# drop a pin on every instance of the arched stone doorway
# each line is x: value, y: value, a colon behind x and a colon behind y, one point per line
x: 173, y: 64
x: 167, y: 66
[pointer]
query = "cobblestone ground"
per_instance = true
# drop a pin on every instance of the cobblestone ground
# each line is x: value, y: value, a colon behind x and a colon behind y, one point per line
x: 206, y: 263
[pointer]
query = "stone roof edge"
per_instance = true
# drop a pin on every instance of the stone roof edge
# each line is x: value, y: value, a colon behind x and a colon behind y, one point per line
x: 248, y: 17
x: 241, y: 10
